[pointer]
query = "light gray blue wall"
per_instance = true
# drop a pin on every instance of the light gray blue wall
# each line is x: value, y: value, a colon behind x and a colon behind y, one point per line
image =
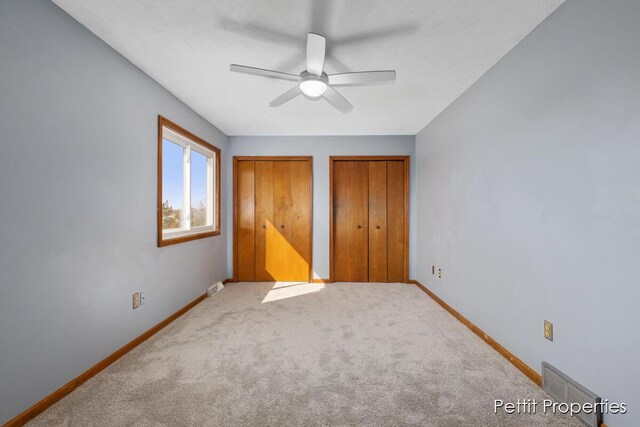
x: 321, y: 147
x: 529, y: 199
x: 78, y: 129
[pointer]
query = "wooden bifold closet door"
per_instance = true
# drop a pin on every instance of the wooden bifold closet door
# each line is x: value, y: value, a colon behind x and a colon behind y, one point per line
x: 272, y: 219
x: 369, y: 219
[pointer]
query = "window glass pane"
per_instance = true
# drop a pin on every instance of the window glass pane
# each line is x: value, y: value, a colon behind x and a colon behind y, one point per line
x: 172, y: 184
x: 199, y: 199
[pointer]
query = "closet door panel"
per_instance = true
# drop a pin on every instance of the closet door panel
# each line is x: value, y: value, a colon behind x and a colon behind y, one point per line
x: 300, y: 220
x: 340, y: 267
x: 351, y: 206
x: 396, y: 221
x: 246, y: 221
x: 264, y: 219
x: 377, y: 221
x: 359, y: 216
x: 279, y: 249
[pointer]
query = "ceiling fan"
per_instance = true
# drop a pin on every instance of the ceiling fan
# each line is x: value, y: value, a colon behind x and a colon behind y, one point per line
x: 314, y: 83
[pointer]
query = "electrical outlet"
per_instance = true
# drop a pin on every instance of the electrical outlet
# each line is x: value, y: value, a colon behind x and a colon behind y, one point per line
x: 142, y: 301
x: 136, y: 300
x: 548, y: 330
x: 439, y: 273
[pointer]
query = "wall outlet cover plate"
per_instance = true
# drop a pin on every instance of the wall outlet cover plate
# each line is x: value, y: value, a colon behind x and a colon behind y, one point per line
x: 548, y: 330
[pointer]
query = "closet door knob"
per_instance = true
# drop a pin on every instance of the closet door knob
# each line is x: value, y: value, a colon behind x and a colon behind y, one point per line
x: 281, y: 226
x: 378, y: 227
x: 264, y: 226
x: 359, y: 226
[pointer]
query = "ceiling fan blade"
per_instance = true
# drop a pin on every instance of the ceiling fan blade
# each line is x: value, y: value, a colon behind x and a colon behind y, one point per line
x: 337, y: 100
x: 262, y: 72
x: 315, y: 53
x: 362, y: 78
x: 286, y: 97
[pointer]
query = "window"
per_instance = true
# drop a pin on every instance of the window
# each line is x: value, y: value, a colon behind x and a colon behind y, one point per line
x: 188, y: 185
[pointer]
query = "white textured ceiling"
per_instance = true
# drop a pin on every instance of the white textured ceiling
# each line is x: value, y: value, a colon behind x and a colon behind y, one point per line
x: 438, y: 47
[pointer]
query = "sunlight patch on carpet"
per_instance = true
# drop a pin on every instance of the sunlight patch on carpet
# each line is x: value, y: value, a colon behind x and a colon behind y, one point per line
x: 284, y: 290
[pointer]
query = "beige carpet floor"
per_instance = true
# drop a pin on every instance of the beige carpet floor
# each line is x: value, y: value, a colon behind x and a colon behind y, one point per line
x: 306, y: 355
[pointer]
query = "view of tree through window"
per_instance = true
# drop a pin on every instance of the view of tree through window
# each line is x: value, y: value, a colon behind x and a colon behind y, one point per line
x: 198, y: 190
x: 172, y: 184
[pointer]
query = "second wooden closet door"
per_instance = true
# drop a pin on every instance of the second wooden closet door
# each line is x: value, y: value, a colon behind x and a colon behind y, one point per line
x: 369, y: 221
x: 274, y: 203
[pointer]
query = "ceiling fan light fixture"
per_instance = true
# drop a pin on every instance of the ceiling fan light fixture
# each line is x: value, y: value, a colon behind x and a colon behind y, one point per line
x: 313, y: 86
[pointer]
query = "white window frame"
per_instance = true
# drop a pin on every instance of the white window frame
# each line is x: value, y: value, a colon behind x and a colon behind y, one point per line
x: 175, y: 235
